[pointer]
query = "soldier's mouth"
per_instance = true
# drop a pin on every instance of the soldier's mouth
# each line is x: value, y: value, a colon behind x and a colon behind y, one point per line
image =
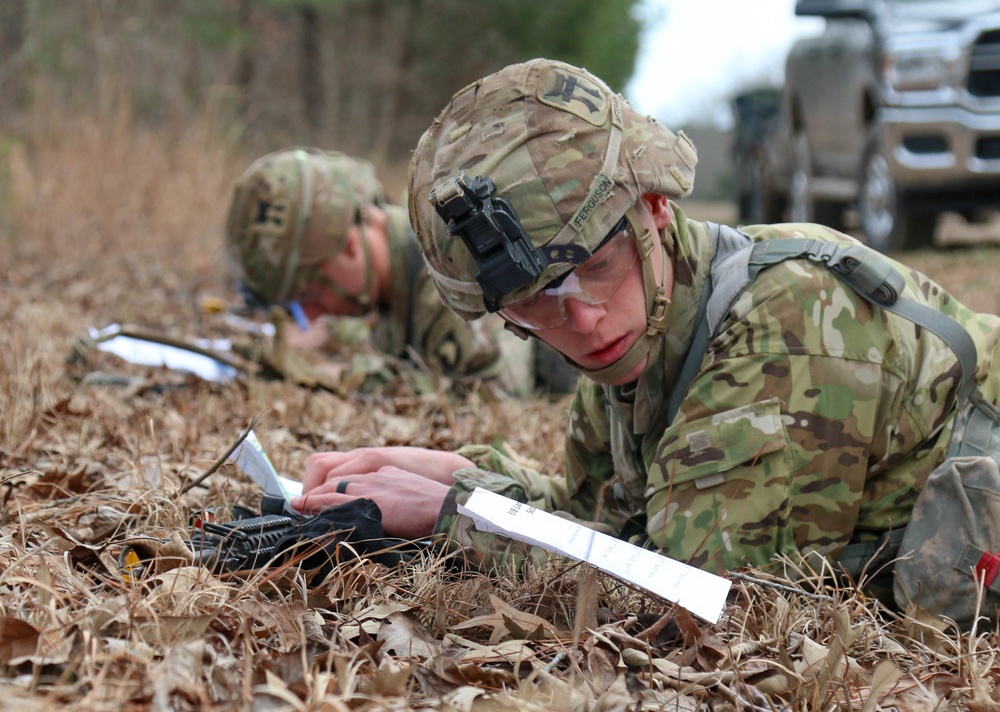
x: 610, y: 352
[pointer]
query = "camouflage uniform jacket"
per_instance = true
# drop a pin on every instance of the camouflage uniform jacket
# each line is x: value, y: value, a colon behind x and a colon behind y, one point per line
x: 415, y: 317
x: 814, y: 421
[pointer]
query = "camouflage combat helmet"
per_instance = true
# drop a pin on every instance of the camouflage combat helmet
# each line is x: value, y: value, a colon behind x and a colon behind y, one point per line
x: 290, y: 212
x: 549, y: 150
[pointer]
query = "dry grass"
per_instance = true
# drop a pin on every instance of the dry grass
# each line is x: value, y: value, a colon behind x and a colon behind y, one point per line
x: 110, y: 221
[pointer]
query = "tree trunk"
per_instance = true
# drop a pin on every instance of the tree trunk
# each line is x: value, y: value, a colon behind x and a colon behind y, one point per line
x: 12, y: 52
x: 246, y: 66
x: 399, y: 56
x: 311, y: 73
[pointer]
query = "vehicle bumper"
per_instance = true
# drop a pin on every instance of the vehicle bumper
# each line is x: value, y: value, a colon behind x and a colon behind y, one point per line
x: 943, y: 148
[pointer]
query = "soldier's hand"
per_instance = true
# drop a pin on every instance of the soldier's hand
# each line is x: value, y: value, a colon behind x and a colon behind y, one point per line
x: 436, y: 465
x: 410, y: 503
x: 312, y: 340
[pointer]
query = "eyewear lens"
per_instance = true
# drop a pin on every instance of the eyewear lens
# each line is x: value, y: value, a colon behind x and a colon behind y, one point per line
x: 594, y: 281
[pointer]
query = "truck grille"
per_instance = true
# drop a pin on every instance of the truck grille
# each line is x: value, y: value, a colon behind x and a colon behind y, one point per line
x: 988, y: 148
x: 984, y: 65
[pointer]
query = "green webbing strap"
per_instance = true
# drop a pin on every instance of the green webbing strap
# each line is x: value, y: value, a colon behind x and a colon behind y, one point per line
x: 866, y: 271
x: 979, y: 422
x: 728, y: 242
x: 695, y: 355
x: 968, y: 561
x: 871, y: 557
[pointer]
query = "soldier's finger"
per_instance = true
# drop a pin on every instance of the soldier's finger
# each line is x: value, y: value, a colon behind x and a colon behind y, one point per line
x: 319, y: 467
x: 314, y: 502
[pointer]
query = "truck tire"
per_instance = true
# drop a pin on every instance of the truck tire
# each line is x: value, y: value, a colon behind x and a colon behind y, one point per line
x: 802, y: 205
x: 888, y: 219
x: 761, y: 202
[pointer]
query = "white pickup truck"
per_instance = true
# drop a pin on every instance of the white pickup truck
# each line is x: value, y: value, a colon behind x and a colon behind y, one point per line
x: 894, y: 112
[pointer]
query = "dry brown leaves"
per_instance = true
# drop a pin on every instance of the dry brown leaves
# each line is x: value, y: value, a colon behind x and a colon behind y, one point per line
x: 84, y: 466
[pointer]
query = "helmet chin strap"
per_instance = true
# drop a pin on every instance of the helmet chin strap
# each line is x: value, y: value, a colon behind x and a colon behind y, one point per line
x: 657, y: 306
x: 362, y: 302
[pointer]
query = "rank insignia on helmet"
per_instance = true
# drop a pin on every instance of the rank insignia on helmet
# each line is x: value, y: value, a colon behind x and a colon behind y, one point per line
x: 574, y: 93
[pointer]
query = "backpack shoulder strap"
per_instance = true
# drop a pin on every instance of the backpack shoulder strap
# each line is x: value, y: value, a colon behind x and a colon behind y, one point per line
x: 738, y: 260
x: 729, y: 277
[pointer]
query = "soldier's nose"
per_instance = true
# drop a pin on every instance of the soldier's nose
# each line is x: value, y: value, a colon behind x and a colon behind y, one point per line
x: 581, y: 316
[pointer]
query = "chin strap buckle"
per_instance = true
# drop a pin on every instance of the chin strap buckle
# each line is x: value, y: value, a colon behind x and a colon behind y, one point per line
x: 658, y: 317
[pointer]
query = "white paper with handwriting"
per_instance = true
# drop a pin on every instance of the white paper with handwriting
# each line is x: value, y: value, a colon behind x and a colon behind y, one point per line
x: 250, y: 457
x: 701, y: 592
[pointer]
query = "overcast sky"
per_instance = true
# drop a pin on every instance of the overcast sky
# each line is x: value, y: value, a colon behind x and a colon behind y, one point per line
x: 697, y: 53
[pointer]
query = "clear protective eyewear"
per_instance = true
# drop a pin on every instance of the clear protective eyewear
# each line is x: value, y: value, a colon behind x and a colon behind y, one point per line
x: 593, y: 281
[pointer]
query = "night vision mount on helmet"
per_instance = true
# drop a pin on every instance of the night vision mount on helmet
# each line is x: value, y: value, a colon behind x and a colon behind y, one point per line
x: 493, y: 233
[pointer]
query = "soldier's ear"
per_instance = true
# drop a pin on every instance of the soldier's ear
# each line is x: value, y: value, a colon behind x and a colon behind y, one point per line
x: 376, y: 221
x: 659, y: 208
x: 352, y: 243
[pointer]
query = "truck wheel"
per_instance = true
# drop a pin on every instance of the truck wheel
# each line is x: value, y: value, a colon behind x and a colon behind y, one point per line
x: 887, y: 220
x: 763, y: 204
x: 752, y: 194
x: 803, y: 206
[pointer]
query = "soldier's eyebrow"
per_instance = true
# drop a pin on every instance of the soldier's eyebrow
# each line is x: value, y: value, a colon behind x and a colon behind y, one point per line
x: 619, y: 226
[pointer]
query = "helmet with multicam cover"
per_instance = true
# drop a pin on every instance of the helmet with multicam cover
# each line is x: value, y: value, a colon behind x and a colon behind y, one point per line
x: 523, y: 175
x: 291, y: 211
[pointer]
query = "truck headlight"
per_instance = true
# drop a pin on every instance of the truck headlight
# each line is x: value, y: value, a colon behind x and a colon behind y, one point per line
x: 920, y: 70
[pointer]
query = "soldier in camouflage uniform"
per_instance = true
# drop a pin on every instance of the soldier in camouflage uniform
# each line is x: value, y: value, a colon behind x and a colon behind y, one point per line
x: 315, y: 227
x: 813, y: 418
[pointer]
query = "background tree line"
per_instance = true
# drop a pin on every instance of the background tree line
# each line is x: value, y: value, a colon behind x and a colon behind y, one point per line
x: 362, y: 76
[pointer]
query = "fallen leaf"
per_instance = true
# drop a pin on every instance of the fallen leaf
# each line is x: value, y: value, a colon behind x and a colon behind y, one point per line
x: 405, y: 637
x: 884, y: 679
x: 461, y: 700
x: 982, y: 698
x: 18, y: 639
x: 615, y: 698
x: 171, y: 629
x: 388, y: 682
x: 601, y: 671
x: 507, y: 620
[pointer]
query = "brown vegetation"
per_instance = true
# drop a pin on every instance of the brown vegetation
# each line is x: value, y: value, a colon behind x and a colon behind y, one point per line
x: 106, y: 220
